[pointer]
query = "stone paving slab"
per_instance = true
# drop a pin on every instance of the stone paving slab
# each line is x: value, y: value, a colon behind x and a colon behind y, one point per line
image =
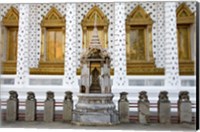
x: 129, y: 126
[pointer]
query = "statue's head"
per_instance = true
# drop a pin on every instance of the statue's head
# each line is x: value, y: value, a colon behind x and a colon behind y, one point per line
x: 123, y: 96
x: 31, y: 96
x: 184, y: 96
x: 13, y: 95
x: 68, y: 95
x: 143, y: 96
x: 163, y: 96
x: 50, y: 95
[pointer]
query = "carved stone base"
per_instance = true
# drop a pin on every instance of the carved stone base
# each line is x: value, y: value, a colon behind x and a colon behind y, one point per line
x: 30, y: 110
x: 95, y: 109
x: 12, y: 110
x: 67, y: 110
x: 143, y: 112
x: 49, y: 111
x: 164, y: 112
x: 185, y: 112
x: 95, y: 118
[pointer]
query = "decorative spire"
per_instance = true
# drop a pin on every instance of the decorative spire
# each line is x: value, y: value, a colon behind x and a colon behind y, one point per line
x: 95, y: 42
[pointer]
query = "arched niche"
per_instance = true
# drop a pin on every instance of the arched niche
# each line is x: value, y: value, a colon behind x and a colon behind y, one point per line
x: 185, y: 39
x: 9, y: 40
x: 88, y: 25
x: 52, y: 44
x: 139, y: 53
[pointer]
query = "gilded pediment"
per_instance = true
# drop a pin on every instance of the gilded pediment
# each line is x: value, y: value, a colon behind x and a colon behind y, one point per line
x: 138, y: 16
x: 184, y: 14
x: 11, y: 18
x: 53, y: 18
x: 95, y: 13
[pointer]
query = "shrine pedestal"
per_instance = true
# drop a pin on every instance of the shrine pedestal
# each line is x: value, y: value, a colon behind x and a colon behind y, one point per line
x: 95, y: 109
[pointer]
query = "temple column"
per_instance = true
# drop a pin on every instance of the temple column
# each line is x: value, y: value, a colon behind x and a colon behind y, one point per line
x: 159, y: 31
x: 171, y: 47
x: 33, y: 61
x: 22, y: 49
x: 70, y: 46
x: 119, y: 80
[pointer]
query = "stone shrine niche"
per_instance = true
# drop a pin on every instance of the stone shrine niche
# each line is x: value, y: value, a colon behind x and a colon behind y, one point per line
x: 185, y: 39
x: 95, y: 105
x: 95, y: 70
x: 139, y: 50
x: 52, y: 45
x: 10, y: 39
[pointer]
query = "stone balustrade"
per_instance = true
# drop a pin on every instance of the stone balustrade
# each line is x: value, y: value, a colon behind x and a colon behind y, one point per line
x: 164, y: 115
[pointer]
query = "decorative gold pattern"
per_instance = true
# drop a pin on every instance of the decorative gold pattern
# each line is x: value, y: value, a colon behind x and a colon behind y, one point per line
x: 185, y: 18
x: 10, y: 22
x: 9, y: 67
x: 49, y: 68
x: 138, y: 17
x: 53, y: 44
x: 11, y: 18
x: 139, y: 44
x: 184, y: 15
x: 101, y: 24
x: 53, y: 19
x: 143, y: 68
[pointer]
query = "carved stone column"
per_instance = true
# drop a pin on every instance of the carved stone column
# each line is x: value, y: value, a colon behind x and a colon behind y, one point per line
x: 12, y: 106
x: 49, y: 107
x: 184, y: 107
x: 30, y: 113
x: 143, y: 108
x: 171, y: 46
x: 164, y: 108
x: 123, y: 107
x: 68, y: 107
x: 22, y: 49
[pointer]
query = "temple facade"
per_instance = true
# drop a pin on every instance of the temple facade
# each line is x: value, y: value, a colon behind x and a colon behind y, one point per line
x: 151, y: 46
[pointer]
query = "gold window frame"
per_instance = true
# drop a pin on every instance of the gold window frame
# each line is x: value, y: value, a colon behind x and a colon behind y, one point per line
x: 185, y: 17
x: 10, y: 20
x: 137, y: 18
x: 88, y: 22
x: 53, y: 19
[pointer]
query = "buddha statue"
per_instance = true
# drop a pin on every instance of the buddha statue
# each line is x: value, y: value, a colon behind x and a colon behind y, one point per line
x: 95, y: 86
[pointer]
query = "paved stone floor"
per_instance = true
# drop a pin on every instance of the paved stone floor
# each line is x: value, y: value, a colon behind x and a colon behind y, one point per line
x: 129, y: 126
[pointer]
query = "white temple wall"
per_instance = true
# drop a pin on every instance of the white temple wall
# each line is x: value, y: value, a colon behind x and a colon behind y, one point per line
x: 40, y: 84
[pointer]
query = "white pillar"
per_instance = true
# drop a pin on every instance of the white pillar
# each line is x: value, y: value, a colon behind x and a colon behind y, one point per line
x: 33, y: 62
x: 22, y: 50
x: 160, y: 60
x: 119, y: 80
x: 171, y: 47
x: 70, y: 47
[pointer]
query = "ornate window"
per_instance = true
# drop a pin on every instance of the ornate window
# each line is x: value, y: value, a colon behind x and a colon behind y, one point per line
x: 185, y: 38
x: 9, y: 38
x: 139, y: 52
x: 53, y: 44
x: 101, y: 24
